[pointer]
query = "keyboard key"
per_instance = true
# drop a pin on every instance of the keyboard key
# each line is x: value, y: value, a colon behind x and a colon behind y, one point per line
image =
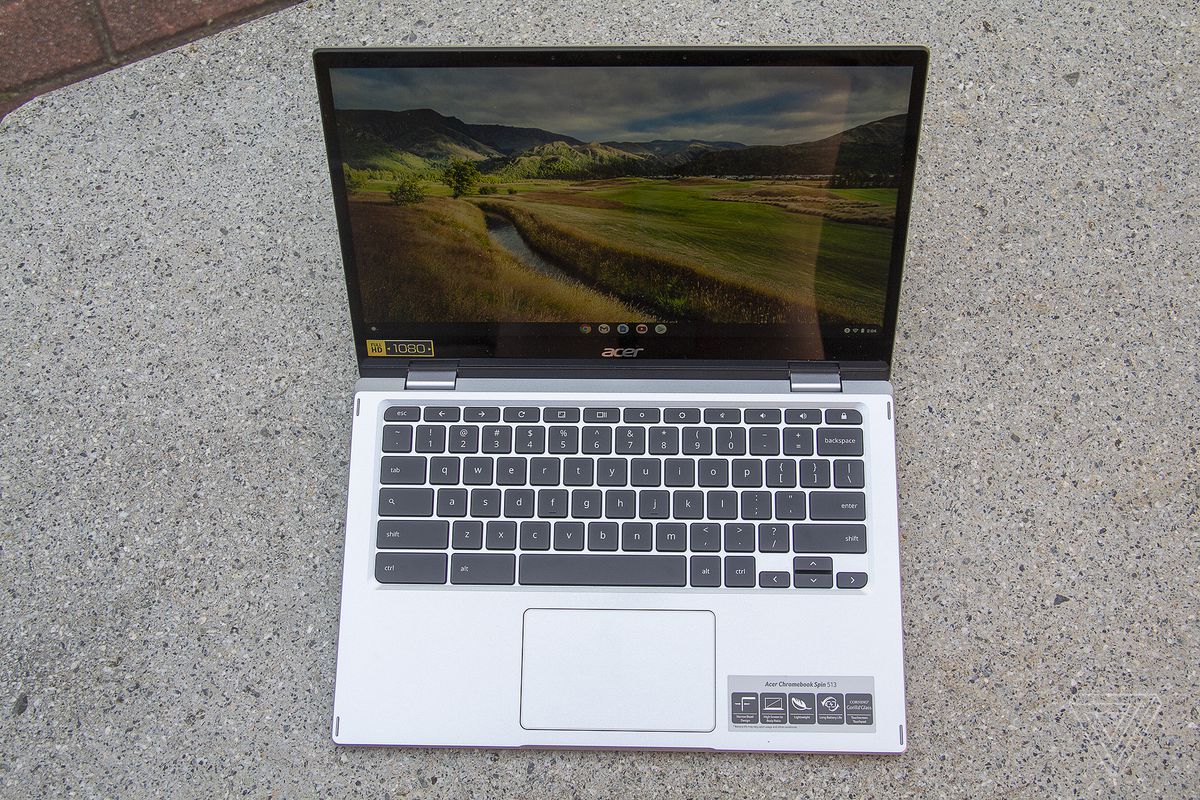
x: 813, y: 580
x: 406, y: 502
x: 756, y: 505
x: 412, y: 534
x: 483, y: 570
x: 724, y: 416
x: 562, y: 439
x: 501, y: 535
x: 763, y: 416
x: 544, y: 471
x: 670, y: 537
x: 797, y: 441
x: 530, y: 439
x: 849, y: 474
x: 443, y: 469
x: 764, y: 441
x: 467, y: 535
x: 452, y: 502
x: 519, y: 503
x: 688, y: 505
x: 705, y: 537
x: 519, y: 414
x: 739, y: 537
x: 464, y: 439
x: 829, y: 538
x: 851, y: 580
x: 740, y: 571
x: 781, y: 473
x: 842, y: 416
x: 586, y: 504
x: 612, y: 472
x: 802, y: 416
x: 789, y: 505
x: 697, y: 441
x: 630, y: 441
x: 568, y: 536
x: 561, y: 415
x: 551, y: 569
x: 431, y: 439
x: 714, y: 472
x: 410, y: 567
x: 510, y: 471
x: 646, y: 416
x: 653, y: 504
x: 477, y: 471
x: 402, y: 470
x: 497, y: 439
x: 602, y: 536
x: 645, y: 472
x: 597, y: 440
x: 402, y: 414
x: 478, y: 414
x: 837, y: 505
x: 681, y: 416
x: 609, y: 415
x: 636, y: 536
x: 838, y: 441
x: 812, y: 564
x: 814, y: 473
x: 397, y: 438
x: 620, y: 504
x: 730, y: 442
x: 535, y: 535
x: 663, y: 441
x: 578, y: 472
x: 747, y: 472
x: 485, y: 502
x: 441, y: 414
x: 679, y: 472
x: 722, y: 505
x: 552, y: 503
x: 774, y: 580
x: 706, y: 571
x: 774, y: 537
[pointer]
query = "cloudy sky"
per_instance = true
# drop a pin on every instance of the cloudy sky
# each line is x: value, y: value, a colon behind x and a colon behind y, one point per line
x: 751, y: 105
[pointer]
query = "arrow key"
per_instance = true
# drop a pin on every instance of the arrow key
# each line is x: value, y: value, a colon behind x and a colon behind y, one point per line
x: 814, y: 580
x: 851, y: 580
x: 774, y: 580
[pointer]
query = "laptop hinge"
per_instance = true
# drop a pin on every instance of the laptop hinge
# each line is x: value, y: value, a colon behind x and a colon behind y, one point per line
x: 439, y: 375
x: 815, y: 376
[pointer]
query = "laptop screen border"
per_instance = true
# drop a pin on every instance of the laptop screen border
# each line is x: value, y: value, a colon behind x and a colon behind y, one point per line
x: 717, y: 348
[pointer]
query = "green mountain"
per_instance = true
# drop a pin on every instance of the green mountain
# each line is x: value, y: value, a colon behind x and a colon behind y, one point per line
x: 564, y: 160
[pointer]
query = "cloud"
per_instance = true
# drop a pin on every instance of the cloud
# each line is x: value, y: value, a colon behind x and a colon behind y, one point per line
x: 751, y: 105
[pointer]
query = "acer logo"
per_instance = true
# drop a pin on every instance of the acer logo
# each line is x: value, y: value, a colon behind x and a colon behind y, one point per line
x: 621, y: 352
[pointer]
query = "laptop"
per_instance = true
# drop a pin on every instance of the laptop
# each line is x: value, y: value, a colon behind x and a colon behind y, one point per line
x: 622, y: 472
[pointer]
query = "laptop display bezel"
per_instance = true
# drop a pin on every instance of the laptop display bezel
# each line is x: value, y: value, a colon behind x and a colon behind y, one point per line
x: 875, y: 361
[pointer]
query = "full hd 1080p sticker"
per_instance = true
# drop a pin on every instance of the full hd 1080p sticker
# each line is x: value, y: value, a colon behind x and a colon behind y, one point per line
x: 400, y: 348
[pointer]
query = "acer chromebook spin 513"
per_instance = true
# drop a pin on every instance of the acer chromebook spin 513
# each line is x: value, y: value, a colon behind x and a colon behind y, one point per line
x: 623, y: 469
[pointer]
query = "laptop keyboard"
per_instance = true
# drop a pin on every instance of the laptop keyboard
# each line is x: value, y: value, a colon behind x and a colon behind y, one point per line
x: 574, y: 496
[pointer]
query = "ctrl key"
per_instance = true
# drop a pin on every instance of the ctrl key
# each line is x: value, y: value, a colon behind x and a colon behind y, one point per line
x: 410, y: 567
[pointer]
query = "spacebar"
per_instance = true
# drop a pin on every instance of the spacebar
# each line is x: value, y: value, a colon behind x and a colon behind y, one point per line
x: 603, y: 570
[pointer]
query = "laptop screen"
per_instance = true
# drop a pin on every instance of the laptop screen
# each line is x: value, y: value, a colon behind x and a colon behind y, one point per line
x: 656, y: 204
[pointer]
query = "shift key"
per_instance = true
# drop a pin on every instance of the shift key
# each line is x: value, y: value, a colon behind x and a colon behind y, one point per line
x: 837, y: 505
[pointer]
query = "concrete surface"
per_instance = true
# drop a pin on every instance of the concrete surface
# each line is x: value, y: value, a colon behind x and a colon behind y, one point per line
x: 177, y: 367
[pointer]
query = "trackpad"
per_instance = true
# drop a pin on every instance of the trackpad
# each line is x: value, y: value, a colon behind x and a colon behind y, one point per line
x: 603, y: 670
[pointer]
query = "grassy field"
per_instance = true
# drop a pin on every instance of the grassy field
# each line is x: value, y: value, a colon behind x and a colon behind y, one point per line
x: 434, y: 262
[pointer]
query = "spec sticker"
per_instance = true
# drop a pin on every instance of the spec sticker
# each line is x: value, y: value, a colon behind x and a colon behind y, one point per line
x: 400, y: 348
x: 808, y: 703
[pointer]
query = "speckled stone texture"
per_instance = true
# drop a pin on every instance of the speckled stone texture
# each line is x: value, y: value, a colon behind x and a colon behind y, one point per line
x: 177, y: 370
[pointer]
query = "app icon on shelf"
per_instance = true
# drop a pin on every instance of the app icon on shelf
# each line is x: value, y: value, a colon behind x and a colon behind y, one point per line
x: 622, y: 328
x: 585, y: 328
x: 660, y: 328
x: 603, y: 327
x: 642, y: 328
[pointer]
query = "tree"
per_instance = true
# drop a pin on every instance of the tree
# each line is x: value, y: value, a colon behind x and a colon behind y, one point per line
x: 408, y: 190
x: 461, y: 176
x: 355, y: 179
